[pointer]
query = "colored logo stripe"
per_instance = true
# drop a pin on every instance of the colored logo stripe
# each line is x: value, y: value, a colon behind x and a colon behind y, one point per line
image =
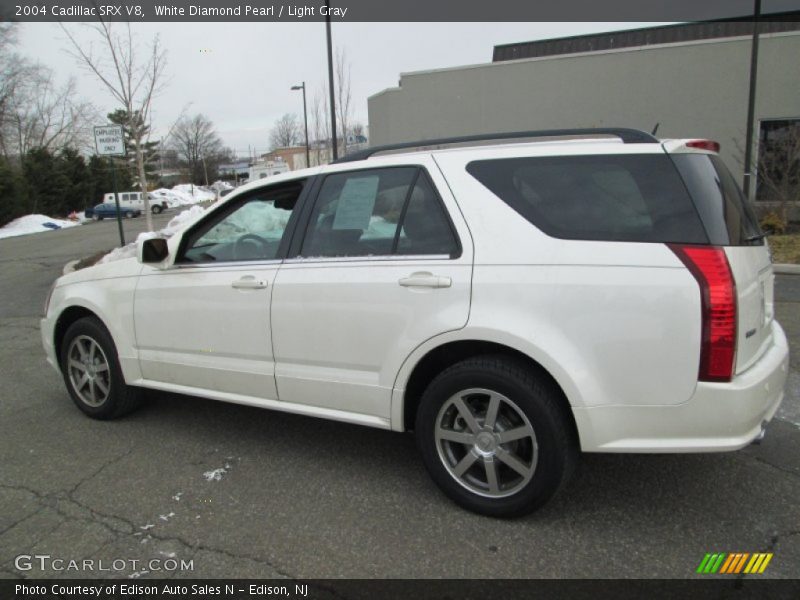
x: 734, y: 563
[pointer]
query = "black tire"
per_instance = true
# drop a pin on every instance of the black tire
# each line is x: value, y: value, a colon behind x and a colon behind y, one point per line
x: 552, y: 450
x: 120, y: 399
x: 128, y: 215
x: 157, y: 208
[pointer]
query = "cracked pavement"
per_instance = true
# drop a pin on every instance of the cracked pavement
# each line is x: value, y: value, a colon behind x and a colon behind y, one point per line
x: 303, y: 498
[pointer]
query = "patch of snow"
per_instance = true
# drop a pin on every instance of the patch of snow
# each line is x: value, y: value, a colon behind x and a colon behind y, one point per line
x: 184, y: 195
x: 166, y: 517
x: 216, y: 474
x: 167, y: 554
x: 34, y: 224
x: 177, y: 496
x: 220, y: 186
x: 146, y: 527
x: 175, y: 224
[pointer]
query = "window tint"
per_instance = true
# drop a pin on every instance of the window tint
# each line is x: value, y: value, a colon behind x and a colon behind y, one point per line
x: 727, y: 216
x: 426, y: 228
x: 378, y: 212
x: 251, y: 229
x: 636, y: 198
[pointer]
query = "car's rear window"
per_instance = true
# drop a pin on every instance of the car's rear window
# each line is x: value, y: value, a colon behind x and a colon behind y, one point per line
x: 726, y: 214
x: 626, y: 197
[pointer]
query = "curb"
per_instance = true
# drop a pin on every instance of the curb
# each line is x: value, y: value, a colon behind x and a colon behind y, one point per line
x: 784, y: 269
x: 70, y: 267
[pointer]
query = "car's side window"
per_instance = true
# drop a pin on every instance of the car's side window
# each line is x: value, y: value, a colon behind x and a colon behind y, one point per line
x: 250, y: 229
x: 378, y: 212
x: 425, y: 226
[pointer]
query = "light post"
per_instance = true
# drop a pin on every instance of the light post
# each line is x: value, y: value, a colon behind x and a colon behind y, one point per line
x: 751, y: 103
x: 302, y: 86
x: 334, y: 149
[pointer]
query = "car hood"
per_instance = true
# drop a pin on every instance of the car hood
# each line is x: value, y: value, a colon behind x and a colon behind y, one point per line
x: 126, y: 267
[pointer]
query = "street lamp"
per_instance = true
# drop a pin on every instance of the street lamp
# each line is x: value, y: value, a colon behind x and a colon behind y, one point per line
x: 302, y: 86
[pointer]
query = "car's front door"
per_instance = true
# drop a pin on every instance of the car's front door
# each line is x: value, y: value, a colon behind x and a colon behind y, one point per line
x: 382, y: 268
x: 204, y: 323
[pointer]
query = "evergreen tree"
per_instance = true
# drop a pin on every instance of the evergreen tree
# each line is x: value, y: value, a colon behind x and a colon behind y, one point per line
x: 150, y: 149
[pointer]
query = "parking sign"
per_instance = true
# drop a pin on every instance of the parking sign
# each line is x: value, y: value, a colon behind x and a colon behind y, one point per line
x: 109, y: 140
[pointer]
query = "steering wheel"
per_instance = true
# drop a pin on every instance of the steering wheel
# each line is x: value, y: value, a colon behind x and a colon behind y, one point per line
x: 250, y: 246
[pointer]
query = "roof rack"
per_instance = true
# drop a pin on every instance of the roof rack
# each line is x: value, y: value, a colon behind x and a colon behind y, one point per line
x: 628, y: 136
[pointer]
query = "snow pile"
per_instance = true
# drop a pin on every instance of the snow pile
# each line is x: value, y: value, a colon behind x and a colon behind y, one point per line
x: 192, y: 194
x: 221, y: 186
x: 33, y: 224
x: 184, y: 195
x: 174, y: 225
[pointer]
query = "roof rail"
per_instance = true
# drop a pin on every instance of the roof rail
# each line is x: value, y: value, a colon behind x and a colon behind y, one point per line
x: 628, y: 136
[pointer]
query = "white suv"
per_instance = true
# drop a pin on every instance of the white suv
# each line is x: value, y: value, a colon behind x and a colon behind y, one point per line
x: 513, y: 304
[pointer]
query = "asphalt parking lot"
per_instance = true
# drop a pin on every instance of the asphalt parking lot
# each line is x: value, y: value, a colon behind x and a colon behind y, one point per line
x: 244, y: 492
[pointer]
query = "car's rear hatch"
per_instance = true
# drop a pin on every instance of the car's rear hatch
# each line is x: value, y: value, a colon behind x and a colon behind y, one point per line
x: 730, y: 223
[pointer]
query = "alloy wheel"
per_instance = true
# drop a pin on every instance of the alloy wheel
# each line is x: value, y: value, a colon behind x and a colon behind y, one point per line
x: 88, y: 370
x: 486, y: 442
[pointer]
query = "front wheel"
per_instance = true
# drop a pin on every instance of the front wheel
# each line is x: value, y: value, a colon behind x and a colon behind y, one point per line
x: 157, y: 208
x: 495, y: 436
x: 95, y: 217
x: 92, y: 372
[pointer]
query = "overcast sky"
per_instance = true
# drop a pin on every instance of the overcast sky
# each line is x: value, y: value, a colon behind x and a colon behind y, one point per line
x: 239, y: 74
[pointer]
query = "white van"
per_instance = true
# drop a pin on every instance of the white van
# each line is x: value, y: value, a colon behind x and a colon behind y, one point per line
x: 135, y: 200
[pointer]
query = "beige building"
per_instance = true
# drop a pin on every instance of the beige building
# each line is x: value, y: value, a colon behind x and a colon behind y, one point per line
x: 691, y: 79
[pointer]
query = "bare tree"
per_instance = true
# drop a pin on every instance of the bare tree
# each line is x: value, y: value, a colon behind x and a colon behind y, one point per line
x: 197, y: 144
x: 344, y: 108
x: 41, y: 115
x: 285, y: 132
x: 132, y: 79
x: 13, y: 71
x: 320, y: 123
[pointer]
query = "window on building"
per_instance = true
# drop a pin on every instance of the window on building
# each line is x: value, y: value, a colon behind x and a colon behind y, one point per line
x: 779, y: 160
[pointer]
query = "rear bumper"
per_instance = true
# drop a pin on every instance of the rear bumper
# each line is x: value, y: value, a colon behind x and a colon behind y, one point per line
x: 718, y: 417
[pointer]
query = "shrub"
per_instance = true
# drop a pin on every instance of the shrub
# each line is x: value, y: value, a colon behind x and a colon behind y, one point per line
x: 772, y: 224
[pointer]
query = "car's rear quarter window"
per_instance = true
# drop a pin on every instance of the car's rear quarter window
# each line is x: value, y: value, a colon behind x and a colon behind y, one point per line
x: 627, y: 197
x: 726, y: 214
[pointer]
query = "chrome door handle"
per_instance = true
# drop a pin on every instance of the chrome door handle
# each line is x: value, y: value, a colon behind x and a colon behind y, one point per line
x: 426, y: 280
x: 249, y: 283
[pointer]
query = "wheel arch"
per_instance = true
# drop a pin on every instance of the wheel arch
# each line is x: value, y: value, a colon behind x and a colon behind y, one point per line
x: 441, y: 356
x: 67, y: 317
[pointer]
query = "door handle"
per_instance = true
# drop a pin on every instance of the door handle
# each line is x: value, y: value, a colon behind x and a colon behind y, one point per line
x: 426, y: 280
x: 249, y: 283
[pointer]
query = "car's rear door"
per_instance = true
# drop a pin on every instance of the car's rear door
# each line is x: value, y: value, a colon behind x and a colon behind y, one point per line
x: 384, y: 264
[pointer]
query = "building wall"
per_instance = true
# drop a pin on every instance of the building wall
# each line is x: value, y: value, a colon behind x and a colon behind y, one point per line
x: 697, y: 89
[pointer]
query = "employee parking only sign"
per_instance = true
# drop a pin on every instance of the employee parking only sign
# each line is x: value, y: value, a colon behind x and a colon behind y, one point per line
x: 109, y: 140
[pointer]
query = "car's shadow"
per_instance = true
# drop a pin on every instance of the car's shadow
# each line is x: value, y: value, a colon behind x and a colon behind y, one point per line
x: 630, y: 487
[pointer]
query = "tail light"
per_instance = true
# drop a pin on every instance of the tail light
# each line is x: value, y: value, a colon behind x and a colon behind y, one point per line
x: 709, y: 145
x: 710, y: 268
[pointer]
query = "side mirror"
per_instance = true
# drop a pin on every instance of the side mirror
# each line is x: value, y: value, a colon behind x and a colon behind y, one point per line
x: 152, y: 251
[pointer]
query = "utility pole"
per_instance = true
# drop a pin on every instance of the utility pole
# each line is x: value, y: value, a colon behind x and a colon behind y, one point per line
x: 335, y: 151
x: 302, y: 86
x: 751, y: 104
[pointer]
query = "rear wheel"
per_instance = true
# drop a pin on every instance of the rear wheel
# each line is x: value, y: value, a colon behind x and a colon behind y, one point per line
x: 95, y: 217
x: 92, y: 372
x: 495, y: 437
x: 128, y: 215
